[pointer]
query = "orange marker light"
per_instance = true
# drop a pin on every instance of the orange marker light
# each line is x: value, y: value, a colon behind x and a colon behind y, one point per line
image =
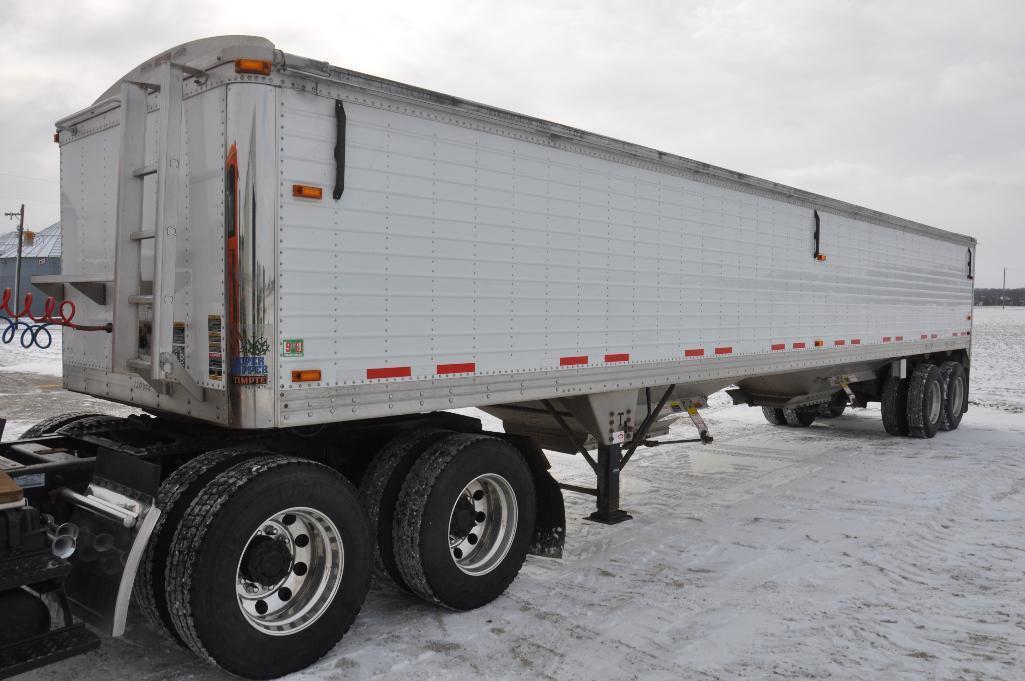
x: 819, y: 343
x: 260, y: 66
x: 304, y: 191
x: 821, y: 257
x: 306, y: 376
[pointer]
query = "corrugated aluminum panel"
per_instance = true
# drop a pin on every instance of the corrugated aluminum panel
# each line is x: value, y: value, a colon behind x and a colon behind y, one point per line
x: 465, y: 245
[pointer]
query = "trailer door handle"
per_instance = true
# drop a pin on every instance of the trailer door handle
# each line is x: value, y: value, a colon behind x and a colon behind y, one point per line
x: 818, y: 236
x: 339, y: 149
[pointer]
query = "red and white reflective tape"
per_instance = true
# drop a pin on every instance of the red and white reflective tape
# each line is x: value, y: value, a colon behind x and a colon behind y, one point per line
x: 389, y: 372
x: 380, y: 373
x: 457, y: 368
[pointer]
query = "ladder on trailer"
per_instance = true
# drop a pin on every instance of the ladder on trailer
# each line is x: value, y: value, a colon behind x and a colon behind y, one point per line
x: 155, y: 363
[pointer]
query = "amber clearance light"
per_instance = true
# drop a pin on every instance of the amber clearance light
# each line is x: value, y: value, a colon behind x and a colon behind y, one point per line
x: 260, y: 66
x: 305, y: 191
x: 306, y: 376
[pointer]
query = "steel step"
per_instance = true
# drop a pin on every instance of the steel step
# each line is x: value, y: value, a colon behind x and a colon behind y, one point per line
x: 30, y: 569
x: 147, y: 169
x: 39, y: 651
x: 139, y: 364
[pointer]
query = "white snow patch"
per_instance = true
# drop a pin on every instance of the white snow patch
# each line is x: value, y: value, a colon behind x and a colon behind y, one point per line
x: 834, y: 551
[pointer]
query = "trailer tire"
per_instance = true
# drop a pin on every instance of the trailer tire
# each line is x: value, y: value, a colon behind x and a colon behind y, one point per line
x: 774, y: 415
x: 834, y: 408
x: 379, y: 492
x: 955, y: 390
x: 799, y: 418
x: 51, y: 425
x: 463, y: 485
x: 895, y: 406
x: 253, y: 525
x: 925, y: 401
x: 173, y: 499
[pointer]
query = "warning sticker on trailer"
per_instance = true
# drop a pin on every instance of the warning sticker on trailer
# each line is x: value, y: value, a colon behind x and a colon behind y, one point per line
x: 215, y: 351
x: 292, y: 347
x: 178, y: 342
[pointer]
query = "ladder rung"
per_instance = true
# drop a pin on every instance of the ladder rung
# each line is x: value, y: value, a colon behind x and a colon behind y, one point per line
x: 148, y: 169
x: 140, y: 300
x: 142, y: 234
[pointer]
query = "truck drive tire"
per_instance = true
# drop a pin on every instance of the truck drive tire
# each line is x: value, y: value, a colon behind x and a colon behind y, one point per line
x: 895, y: 406
x: 925, y: 401
x: 173, y: 499
x: 270, y: 566
x: 774, y: 415
x: 55, y: 423
x: 464, y: 520
x: 379, y: 492
x: 800, y: 418
x: 955, y: 390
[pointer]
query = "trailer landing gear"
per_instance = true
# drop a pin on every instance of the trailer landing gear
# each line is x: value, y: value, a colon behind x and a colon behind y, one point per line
x: 608, y: 469
x: 612, y: 459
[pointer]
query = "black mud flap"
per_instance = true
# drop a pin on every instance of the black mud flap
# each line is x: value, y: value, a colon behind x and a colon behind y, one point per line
x: 115, y: 517
x: 550, y: 525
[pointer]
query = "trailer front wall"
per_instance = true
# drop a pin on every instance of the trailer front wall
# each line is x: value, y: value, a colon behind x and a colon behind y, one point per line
x: 461, y: 247
x: 90, y: 158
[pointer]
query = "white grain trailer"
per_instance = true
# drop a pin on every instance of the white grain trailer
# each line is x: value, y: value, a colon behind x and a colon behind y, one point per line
x: 295, y: 268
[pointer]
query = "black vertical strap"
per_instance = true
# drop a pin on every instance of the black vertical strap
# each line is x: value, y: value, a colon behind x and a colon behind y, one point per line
x: 339, y: 149
x: 817, y: 233
x: 970, y: 272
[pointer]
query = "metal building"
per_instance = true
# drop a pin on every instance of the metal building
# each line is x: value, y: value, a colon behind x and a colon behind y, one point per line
x: 41, y: 256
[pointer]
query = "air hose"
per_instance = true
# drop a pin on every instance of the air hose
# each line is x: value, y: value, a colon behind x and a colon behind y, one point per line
x: 36, y: 333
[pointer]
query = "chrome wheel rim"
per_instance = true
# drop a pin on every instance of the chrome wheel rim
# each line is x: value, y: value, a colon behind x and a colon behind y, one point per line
x: 957, y: 396
x: 482, y: 524
x: 934, y: 400
x: 289, y: 571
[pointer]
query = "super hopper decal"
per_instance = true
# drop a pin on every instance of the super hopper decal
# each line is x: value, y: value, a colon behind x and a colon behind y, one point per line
x: 246, y: 281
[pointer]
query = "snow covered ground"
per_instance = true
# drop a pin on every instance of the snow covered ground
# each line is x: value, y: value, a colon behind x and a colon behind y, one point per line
x: 829, y: 552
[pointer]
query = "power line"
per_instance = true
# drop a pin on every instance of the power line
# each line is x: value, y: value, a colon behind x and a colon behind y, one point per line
x: 26, y: 177
x: 8, y: 196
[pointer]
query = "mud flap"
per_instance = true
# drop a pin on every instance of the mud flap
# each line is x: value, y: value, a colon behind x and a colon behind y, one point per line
x: 115, y: 517
x: 550, y: 524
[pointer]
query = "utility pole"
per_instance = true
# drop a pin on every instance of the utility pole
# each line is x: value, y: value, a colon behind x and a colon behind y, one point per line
x: 17, y: 263
x: 1003, y: 297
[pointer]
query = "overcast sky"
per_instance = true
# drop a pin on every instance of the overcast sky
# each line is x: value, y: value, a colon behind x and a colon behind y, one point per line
x: 915, y: 108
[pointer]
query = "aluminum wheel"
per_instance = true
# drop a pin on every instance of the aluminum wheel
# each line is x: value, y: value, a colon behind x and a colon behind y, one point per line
x: 290, y: 570
x: 935, y: 402
x: 482, y: 524
x: 957, y: 395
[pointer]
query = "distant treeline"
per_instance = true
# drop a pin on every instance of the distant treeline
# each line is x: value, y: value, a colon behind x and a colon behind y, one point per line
x: 992, y: 296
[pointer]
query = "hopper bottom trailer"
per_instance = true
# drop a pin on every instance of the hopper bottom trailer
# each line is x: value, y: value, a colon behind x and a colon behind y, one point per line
x: 295, y: 272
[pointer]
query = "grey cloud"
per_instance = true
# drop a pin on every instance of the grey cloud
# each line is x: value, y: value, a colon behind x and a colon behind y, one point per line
x: 907, y: 107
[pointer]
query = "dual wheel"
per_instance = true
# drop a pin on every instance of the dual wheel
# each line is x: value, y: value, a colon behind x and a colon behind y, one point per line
x: 260, y: 562
x: 801, y: 417
x: 933, y: 398
x: 452, y: 515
